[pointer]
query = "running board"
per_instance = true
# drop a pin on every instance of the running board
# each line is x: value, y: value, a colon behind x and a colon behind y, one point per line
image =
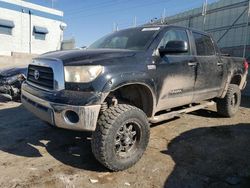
x: 171, y: 115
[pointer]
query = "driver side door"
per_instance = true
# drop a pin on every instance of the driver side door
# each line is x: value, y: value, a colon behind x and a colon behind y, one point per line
x: 175, y: 73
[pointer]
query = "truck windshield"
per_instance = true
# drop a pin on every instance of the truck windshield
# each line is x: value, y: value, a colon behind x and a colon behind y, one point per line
x: 131, y: 39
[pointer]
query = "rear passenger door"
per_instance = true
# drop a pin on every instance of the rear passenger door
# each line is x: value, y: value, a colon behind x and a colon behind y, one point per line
x: 209, y: 70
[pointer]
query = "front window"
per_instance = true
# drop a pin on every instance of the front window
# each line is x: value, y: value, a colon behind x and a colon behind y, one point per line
x: 174, y: 35
x: 131, y: 39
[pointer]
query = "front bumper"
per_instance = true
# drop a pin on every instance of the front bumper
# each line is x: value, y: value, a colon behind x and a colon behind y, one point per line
x: 56, y: 114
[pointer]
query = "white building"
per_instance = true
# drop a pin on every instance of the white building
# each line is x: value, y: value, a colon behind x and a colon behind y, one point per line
x: 29, y: 28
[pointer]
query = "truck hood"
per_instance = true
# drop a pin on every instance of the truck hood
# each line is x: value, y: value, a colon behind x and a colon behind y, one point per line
x: 82, y: 57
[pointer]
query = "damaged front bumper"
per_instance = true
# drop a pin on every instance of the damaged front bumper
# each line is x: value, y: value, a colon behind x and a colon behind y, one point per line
x: 80, y: 118
x: 5, y: 92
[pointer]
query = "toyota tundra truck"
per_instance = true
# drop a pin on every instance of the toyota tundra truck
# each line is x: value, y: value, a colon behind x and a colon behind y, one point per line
x: 128, y: 80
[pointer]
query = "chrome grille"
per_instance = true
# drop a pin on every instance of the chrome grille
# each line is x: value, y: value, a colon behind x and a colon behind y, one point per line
x: 41, y: 76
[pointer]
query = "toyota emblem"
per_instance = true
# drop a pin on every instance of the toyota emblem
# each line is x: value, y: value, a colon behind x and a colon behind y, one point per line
x: 36, y: 74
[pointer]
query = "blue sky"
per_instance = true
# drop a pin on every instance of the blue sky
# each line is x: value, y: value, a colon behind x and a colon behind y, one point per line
x: 89, y: 20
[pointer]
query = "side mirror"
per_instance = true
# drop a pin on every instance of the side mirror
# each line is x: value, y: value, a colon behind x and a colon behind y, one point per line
x: 174, y: 47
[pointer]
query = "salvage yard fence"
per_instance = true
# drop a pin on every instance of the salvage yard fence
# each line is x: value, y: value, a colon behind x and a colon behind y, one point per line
x: 226, y: 20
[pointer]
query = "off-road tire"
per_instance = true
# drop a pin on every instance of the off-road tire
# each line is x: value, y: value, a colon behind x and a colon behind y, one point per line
x: 104, y: 138
x: 229, y: 105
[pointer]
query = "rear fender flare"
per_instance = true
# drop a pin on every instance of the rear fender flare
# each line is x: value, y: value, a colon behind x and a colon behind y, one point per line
x: 229, y: 79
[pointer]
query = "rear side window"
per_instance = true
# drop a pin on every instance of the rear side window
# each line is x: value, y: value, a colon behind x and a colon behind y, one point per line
x: 204, y: 45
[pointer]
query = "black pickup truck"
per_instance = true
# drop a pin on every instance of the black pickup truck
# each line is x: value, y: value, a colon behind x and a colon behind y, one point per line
x: 129, y: 79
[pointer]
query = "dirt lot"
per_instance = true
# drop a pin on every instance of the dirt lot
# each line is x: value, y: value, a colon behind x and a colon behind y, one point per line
x: 196, y: 150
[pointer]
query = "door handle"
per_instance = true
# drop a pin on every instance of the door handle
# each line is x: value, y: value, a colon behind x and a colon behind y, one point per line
x: 192, y: 64
x: 219, y: 64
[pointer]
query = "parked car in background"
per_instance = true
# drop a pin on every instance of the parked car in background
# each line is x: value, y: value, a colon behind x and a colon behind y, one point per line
x: 10, y: 83
x: 129, y: 79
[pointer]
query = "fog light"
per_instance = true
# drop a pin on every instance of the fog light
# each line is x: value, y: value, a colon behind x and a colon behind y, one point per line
x: 71, y: 117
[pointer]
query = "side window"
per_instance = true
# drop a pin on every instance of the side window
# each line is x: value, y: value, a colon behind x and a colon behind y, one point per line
x: 40, y: 32
x: 5, y: 30
x: 6, y: 27
x: 174, y: 34
x: 204, y: 45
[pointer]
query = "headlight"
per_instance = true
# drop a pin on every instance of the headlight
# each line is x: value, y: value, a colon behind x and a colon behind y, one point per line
x: 82, y: 74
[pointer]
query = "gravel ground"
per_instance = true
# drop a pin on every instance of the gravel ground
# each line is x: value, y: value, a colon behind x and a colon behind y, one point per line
x: 199, y: 149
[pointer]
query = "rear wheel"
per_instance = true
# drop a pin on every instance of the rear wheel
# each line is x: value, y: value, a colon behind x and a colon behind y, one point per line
x: 121, y: 137
x: 229, y: 105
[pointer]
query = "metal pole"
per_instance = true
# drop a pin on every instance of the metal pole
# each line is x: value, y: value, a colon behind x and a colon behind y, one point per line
x: 115, y: 27
x: 52, y: 3
x: 30, y: 32
x: 135, y: 21
x: 163, y: 16
x: 204, y: 13
x: 246, y: 32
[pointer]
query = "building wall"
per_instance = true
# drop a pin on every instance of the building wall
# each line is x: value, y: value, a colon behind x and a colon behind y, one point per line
x: 18, y: 12
x: 15, y: 60
x: 68, y: 44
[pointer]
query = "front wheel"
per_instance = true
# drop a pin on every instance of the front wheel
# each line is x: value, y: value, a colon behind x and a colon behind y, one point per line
x: 229, y: 105
x: 121, y: 137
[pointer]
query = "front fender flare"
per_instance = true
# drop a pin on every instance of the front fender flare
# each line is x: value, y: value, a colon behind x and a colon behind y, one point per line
x: 136, y: 78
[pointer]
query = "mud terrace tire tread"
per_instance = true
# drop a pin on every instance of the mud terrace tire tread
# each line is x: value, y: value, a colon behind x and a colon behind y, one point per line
x: 104, y: 125
x: 224, y: 107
